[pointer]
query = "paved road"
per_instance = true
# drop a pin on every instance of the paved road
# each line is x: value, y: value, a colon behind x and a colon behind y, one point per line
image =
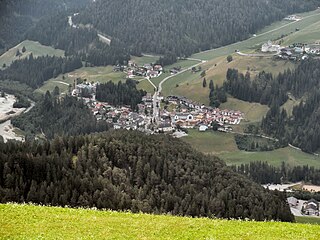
x: 156, y: 104
x: 256, y: 54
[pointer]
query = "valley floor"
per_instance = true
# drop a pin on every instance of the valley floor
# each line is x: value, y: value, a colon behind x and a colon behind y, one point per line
x: 33, y: 222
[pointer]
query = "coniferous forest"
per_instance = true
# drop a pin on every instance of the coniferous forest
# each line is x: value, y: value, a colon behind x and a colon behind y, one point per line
x: 17, y: 17
x: 120, y: 94
x: 264, y: 173
x: 124, y: 170
x: 302, y: 128
x: 183, y: 27
x: 35, y: 71
x: 54, y: 116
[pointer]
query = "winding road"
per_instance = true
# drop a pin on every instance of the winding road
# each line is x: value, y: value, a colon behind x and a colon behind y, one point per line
x: 156, y: 106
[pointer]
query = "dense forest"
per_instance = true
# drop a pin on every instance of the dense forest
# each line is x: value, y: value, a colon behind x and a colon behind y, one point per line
x: 120, y: 94
x: 35, y: 71
x: 263, y: 88
x: 18, y: 16
x: 54, y: 116
x: 302, y: 128
x: 123, y: 170
x: 264, y: 173
x: 183, y: 27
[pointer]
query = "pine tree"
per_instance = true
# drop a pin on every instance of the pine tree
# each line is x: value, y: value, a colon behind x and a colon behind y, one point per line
x: 204, y: 83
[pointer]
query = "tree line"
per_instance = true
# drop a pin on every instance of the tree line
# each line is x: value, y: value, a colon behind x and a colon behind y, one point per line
x: 35, y: 71
x: 127, y: 170
x: 264, y: 173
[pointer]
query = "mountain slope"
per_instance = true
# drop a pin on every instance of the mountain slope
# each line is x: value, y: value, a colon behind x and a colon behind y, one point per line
x: 185, y: 26
x: 17, y: 16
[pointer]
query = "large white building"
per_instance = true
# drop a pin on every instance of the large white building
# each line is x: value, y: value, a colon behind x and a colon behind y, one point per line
x: 269, y: 47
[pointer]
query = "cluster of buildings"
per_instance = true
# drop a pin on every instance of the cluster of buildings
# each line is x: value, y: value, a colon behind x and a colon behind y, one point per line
x: 299, y: 51
x: 189, y: 114
x: 293, y: 18
x: 183, y: 114
x: 295, y: 52
x: 147, y: 70
x: 118, y: 117
x: 300, y: 207
x: 270, y: 47
x: 84, y: 89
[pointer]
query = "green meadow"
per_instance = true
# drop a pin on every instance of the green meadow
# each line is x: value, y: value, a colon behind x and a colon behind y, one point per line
x: 34, y: 222
x: 31, y: 47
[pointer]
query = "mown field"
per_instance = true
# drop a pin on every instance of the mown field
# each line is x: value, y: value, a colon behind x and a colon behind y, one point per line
x: 31, y: 47
x: 32, y: 222
x: 223, y: 145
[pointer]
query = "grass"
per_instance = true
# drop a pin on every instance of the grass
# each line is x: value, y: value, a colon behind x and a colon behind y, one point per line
x: 223, y: 145
x: 145, y: 85
x: 309, y: 34
x: 311, y: 220
x: 96, y: 74
x: 31, y: 47
x: 211, y: 142
x: 253, y: 112
x: 32, y: 222
x: 288, y: 155
x: 140, y: 61
x: 290, y: 104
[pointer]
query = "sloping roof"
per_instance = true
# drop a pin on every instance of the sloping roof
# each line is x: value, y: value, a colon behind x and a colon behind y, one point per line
x: 292, y: 200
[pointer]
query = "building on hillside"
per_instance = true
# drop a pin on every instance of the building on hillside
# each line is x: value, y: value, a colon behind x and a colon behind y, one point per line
x: 293, y: 202
x: 311, y: 207
x: 203, y: 128
x: 269, y: 47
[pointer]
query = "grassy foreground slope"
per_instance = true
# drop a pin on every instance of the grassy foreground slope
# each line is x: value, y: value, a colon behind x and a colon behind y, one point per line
x: 32, y: 222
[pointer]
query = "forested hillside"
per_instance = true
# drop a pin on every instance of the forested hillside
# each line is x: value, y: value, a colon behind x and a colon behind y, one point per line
x: 127, y: 170
x: 17, y: 16
x: 55, y: 116
x: 34, y: 71
x: 120, y: 94
x: 302, y: 129
x: 185, y: 26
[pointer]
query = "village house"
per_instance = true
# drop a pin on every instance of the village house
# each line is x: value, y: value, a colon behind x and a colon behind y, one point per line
x: 311, y: 207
